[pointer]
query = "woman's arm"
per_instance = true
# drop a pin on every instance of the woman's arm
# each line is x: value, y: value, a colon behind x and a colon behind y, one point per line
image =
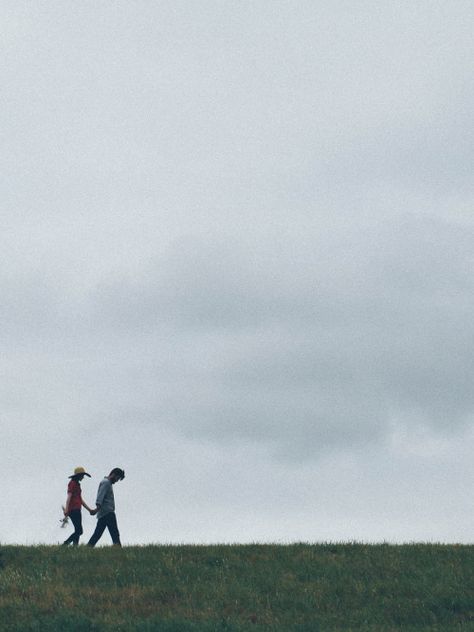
x: 84, y: 504
x: 68, y: 500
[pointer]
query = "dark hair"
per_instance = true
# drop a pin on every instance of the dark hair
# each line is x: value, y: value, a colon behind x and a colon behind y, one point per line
x: 118, y: 472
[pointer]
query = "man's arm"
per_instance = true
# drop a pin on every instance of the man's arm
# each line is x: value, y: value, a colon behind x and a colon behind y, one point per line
x: 103, y: 488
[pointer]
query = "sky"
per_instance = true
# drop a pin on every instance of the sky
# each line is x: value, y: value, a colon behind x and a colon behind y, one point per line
x: 237, y: 261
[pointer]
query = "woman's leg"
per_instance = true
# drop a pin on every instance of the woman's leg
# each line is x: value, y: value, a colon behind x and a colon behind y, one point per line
x: 76, y: 519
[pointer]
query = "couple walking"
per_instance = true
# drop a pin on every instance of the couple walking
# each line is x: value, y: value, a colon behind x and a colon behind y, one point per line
x: 105, y: 507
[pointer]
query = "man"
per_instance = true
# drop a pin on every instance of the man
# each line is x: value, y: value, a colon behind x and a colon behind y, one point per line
x: 105, y: 508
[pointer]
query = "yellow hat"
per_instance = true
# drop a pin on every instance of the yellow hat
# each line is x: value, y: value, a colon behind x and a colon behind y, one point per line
x: 78, y: 471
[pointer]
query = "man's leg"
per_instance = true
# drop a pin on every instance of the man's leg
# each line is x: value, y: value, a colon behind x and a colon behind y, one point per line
x: 99, y: 530
x: 113, y: 529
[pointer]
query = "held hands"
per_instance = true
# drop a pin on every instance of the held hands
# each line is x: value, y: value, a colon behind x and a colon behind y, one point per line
x: 93, y: 511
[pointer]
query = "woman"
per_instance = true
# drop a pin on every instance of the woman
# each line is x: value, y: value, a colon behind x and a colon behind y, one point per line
x: 74, y: 503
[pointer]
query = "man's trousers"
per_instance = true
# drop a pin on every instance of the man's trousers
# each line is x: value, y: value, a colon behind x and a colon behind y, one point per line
x: 109, y: 521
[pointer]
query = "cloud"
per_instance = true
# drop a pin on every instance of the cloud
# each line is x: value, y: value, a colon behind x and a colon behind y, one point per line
x: 321, y: 349
x: 304, y: 346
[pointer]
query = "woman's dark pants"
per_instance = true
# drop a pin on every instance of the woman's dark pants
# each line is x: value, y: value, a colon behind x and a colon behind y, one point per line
x: 76, y: 519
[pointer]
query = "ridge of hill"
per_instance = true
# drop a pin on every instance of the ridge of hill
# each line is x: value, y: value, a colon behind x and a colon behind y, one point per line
x: 271, y: 587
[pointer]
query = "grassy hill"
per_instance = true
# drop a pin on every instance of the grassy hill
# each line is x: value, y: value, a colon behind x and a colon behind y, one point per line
x: 234, y: 588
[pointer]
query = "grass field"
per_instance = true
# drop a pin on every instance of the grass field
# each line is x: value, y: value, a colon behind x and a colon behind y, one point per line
x: 297, y: 587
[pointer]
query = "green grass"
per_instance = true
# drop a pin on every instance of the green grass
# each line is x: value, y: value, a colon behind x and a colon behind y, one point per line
x: 300, y: 588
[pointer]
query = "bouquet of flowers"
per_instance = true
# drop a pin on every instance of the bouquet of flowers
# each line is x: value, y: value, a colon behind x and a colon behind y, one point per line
x: 64, y: 520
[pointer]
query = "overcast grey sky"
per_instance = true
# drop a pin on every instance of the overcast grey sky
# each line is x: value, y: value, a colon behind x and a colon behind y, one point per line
x: 237, y: 260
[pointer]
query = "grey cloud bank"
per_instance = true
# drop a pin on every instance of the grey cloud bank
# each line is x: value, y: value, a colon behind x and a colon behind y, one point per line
x: 237, y: 251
